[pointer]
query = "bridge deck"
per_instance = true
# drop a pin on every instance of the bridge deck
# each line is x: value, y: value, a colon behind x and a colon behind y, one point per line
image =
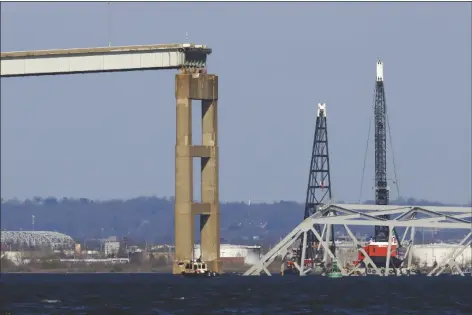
x: 442, y: 209
x: 103, y: 59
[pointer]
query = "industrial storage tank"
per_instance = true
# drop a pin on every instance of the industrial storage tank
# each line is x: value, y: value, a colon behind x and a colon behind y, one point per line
x: 427, y: 254
x: 243, y: 254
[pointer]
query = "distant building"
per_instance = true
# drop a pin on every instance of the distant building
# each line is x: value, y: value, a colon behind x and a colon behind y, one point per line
x: 15, y: 240
x: 243, y: 254
x: 111, y: 248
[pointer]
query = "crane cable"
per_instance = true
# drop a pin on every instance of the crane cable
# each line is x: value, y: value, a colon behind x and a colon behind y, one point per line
x: 365, y: 159
x: 366, y: 150
x: 393, y: 155
x: 393, y: 158
x: 391, y: 147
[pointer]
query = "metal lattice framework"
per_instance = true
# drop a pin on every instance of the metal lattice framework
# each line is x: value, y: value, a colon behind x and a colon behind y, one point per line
x: 407, y: 217
x: 380, y: 113
x: 319, y: 181
x: 50, y: 239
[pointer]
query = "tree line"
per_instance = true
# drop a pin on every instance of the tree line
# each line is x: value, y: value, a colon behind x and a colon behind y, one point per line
x: 151, y: 219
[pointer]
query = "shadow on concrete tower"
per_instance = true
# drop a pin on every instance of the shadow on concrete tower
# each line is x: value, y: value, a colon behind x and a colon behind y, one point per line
x: 204, y: 87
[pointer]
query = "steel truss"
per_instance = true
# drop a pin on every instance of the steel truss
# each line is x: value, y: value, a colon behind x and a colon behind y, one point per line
x: 54, y: 240
x: 408, y: 217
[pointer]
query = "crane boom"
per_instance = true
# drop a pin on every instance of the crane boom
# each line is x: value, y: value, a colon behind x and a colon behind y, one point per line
x: 381, y: 187
x: 319, y: 181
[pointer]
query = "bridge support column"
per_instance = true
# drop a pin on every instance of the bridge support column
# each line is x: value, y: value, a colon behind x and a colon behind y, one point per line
x: 210, y: 223
x: 204, y: 87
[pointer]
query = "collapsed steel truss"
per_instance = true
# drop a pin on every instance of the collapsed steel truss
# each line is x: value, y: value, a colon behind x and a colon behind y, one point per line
x: 408, y: 217
x: 50, y: 239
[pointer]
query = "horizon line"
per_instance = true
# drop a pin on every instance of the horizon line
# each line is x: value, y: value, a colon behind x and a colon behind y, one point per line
x: 247, y: 202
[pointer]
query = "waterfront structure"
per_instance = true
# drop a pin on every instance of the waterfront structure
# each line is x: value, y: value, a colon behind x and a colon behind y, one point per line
x: 191, y: 83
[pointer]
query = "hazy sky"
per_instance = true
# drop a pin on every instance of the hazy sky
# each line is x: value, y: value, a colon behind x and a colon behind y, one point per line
x: 113, y: 135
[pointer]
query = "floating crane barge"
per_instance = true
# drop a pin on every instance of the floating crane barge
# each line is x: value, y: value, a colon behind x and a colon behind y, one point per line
x: 311, y: 245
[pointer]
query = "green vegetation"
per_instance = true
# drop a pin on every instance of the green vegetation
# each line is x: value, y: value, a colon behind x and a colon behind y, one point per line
x: 151, y: 219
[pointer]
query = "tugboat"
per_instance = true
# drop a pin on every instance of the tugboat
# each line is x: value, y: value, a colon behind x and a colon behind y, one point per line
x: 377, y: 251
x: 335, y: 271
x: 196, y: 268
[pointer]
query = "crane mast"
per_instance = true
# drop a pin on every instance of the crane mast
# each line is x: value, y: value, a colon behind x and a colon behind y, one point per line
x: 319, y: 181
x: 380, y: 119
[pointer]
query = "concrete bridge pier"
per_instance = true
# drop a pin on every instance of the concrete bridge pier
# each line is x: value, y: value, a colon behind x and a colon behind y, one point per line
x: 204, y: 87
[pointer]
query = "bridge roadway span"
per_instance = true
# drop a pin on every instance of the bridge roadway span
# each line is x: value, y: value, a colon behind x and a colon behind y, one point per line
x: 103, y: 59
x: 191, y: 83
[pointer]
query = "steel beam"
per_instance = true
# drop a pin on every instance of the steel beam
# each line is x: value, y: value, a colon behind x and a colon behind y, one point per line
x: 192, y: 83
x: 452, y: 256
x: 345, y: 214
x: 103, y: 59
x: 377, y: 208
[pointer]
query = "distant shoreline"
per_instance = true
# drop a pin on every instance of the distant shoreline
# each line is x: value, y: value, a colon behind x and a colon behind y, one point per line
x: 126, y: 270
x: 81, y: 272
x: 100, y: 272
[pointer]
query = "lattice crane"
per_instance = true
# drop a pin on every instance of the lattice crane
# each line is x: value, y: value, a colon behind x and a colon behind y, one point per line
x: 380, y: 140
x: 381, y: 126
x: 319, y: 181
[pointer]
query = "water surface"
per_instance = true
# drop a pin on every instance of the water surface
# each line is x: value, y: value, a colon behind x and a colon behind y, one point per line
x: 135, y: 294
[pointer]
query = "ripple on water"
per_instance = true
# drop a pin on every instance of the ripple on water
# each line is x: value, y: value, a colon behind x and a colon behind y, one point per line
x: 164, y: 294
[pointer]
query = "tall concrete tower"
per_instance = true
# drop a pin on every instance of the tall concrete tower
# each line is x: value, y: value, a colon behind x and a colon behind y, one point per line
x: 204, y: 87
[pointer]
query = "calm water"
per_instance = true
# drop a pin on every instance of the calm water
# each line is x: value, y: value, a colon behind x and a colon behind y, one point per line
x: 166, y: 294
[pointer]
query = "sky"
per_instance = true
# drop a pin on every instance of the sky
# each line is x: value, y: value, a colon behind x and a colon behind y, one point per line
x: 112, y: 135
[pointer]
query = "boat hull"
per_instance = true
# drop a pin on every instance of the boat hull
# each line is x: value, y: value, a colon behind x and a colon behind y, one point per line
x: 208, y: 274
x: 382, y: 261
